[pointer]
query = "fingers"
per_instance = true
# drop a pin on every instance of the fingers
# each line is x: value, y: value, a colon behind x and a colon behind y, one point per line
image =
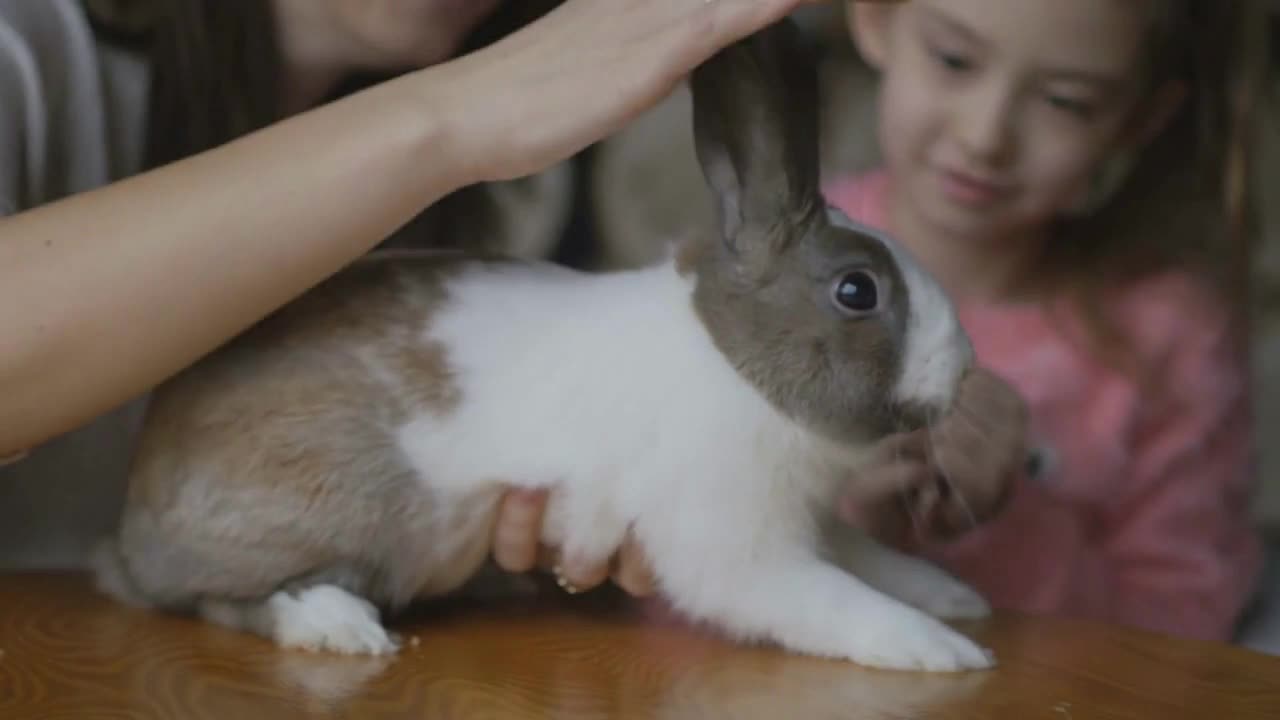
x: 866, y: 497
x: 926, y: 500
x: 904, y: 446
x: 609, y: 60
x: 953, y: 476
x: 629, y: 570
x: 517, y: 545
x: 519, y: 525
x: 577, y: 575
x: 991, y: 400
x: 517, y: 549
x: 633, y: 573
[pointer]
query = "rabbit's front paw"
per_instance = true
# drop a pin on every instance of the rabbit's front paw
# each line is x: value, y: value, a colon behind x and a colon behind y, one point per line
x: 929, y: 589
x: 950, y: 599
x: 914, y: 581
x: 326, y: 617
x: 911, y: 640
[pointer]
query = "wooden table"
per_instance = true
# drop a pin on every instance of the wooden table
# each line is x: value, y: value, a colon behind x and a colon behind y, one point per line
x: 69, y: 654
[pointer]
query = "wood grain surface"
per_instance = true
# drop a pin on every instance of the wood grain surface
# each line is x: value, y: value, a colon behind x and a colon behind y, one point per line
x: 67, y: 653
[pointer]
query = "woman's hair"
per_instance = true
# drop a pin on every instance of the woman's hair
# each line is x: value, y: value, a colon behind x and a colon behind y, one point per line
x: 1187, y: 203
x: 215, y: 64
x: 216, y: 75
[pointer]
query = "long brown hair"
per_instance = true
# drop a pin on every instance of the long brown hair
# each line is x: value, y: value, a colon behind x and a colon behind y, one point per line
x: 1188, y: 203
x: 216, y: 74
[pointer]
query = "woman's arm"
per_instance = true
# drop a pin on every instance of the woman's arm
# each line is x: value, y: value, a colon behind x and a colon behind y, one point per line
x: 106, y: 293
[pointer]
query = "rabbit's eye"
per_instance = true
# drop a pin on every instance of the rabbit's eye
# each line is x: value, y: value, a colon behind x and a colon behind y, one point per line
x: 856, y: 292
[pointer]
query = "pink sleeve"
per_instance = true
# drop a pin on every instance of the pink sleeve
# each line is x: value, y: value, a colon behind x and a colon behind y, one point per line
x: 1181, y: 550
x: 1176, y: 552
x: 864, y: 198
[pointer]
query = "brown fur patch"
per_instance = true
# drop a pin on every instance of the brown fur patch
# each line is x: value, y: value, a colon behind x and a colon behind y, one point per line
x: 275, y: 458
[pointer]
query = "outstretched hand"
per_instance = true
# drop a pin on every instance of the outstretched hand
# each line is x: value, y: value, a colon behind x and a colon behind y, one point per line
x: 579, y: 74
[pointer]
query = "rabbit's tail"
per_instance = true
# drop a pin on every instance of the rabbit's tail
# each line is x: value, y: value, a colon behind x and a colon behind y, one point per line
x: 111, y: 574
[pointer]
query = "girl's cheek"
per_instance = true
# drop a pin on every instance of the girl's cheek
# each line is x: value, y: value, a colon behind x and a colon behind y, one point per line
x: 1064, y: 165
x: 908, y: 119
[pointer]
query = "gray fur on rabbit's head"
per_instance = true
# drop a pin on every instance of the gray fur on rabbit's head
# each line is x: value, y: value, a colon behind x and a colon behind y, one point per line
x: 834, y: 322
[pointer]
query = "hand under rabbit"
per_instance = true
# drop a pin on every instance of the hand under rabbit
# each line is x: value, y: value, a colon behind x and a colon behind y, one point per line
x: 934, y: 484
x: 344, y: 457
x: 518, y: 548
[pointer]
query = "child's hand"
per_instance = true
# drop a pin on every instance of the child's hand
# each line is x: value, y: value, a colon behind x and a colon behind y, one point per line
x: 948, y: 479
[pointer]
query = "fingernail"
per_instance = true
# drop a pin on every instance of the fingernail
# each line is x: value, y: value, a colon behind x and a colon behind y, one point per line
x: 583, y: 570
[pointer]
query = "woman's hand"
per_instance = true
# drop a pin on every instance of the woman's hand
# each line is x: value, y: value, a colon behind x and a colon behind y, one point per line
x: 516, y: 549
x: 328, y: 185
x: 578, y: 74
x: 954, y: 476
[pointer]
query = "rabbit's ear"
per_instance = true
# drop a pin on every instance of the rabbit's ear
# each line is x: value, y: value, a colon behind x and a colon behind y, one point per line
x: 755, y: 121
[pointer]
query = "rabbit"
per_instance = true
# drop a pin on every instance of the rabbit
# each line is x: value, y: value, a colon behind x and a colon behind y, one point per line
x: 343, y: 458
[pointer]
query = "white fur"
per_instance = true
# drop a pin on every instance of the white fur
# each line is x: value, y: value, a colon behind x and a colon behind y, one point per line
x: 938, y: 350
x: 912, y: 580
x: 326, y: 617
x: 611, y: 388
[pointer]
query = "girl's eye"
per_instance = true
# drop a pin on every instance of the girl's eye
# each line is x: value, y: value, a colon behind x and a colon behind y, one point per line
x: 954, y: 62
x: 1076, y: 107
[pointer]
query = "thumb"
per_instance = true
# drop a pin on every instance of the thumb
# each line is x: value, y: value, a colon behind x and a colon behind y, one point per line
x: 866, y: 494
x: 902, y: 447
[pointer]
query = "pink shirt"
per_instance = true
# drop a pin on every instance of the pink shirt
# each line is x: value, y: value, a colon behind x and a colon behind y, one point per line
x: 1141, y: 515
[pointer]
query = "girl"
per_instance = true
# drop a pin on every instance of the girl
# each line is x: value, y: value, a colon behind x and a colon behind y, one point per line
x: 158, y: 197
x: 1041, y: 157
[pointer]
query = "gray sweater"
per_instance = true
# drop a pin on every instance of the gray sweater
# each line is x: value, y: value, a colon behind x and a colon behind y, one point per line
x: 72, y: 113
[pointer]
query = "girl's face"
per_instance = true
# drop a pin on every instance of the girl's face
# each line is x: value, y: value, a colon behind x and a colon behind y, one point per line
x: 380, y: 34
x: 995, y: 114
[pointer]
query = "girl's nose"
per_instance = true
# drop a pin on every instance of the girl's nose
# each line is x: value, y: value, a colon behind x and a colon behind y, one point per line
x: 983, y: 123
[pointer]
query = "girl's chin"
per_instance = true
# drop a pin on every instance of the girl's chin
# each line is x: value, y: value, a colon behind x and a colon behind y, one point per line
x: 962, y: 223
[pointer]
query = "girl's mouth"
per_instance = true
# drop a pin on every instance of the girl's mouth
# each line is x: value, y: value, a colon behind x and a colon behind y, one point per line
x: 970, y: 190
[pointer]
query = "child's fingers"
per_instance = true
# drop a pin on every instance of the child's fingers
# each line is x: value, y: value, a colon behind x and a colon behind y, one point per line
x: 866, y: 496
x: 926, y: 502
x: 900, y: 447
x: 518, y: 528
